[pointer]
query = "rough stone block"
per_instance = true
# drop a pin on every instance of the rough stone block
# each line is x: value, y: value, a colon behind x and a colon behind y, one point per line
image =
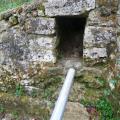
x: 42, y: 49
x: 14, y: 43
x: 42, y: 42
x: 118, y: 12
x: 96, y: 19
x: 3, y: 26
x: 44, y: 56
x: 2, y: 57
x: 95, y: 53
x: 99, y: 36
x: 68, y: 7
x: 118, y: 21
x: 40, y: 25
x: 17, y: 49
x: 13, y: 49
x: 75, y: 111
x: 118, y: 43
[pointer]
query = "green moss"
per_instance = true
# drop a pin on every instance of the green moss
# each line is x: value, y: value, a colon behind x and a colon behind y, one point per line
x: 2, y: 109
x: 101, y: 64
x: 15, y: 115
x: 13, y: 20
x: 24, y: 105
x: 7, y: 4
x: 91, y: 80
x: 92, y: 94
x: 41, y: 7
x: 19, y: 90
x: 16, y: 99
x: 105, y: 109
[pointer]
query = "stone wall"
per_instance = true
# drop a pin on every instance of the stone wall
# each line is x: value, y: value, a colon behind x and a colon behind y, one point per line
x: 100, y: 34
x: 29, y: 51
x: 34, y: 27
x: 118, y: 39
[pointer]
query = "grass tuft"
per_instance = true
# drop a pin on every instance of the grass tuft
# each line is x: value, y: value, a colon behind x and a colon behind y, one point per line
x: 9, y: 4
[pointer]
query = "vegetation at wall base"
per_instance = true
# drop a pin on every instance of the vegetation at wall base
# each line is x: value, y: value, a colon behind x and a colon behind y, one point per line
x: 9, y: 4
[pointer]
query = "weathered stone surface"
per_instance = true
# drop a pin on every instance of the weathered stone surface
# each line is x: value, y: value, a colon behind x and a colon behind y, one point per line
x: 104, y: 11
x: 95, y: 53
x: 40, y: 13
x: 118, y: 12
x: 13, y: 20
x: 93, y: 79
x: 118, y: 28
x: 3, y: 26
x: 99, y: 36
x: 118, y: 43
x: 27, y: 105
x: 17, y: 49
x: 75, y: 111
x: 2, y: 57
x: 77, y: 91
x: 118, y: 33
x: 30, y: 43
x: 111, y: 4
x: 14, y: 46
x: 44, y: 26
x: 96, y: 19
x: 6, y: 15
x: 42, y: 42
x: 66, y: 7
x: 45, y: 56
x: 65, y: 64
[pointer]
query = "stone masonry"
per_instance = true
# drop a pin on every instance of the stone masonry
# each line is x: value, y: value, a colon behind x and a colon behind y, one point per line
x: 29, y: 36
x: 29, y: 47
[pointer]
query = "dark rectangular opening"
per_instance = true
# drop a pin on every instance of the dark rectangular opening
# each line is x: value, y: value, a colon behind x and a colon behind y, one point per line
x: 70, y: 33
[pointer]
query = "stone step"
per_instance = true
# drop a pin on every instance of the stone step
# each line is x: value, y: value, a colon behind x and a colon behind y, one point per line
x: 75, y: 111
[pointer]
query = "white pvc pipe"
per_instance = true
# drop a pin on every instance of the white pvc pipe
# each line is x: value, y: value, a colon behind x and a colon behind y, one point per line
x: 63, y: 97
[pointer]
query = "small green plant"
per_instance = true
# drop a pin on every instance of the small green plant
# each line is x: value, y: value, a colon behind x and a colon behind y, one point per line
x: 48, y: 93
x: 102, y: 106
x: 107, y: 92
x: 101, y: 81
x: 19, y: 90
x: 41, y: 7
x: 87, y: 103
x: 105, y: 109
x: 2, y: 109
x: 15, y: 115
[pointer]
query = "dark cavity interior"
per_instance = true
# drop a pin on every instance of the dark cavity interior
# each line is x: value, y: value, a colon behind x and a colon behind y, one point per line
x: 70, y: 32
